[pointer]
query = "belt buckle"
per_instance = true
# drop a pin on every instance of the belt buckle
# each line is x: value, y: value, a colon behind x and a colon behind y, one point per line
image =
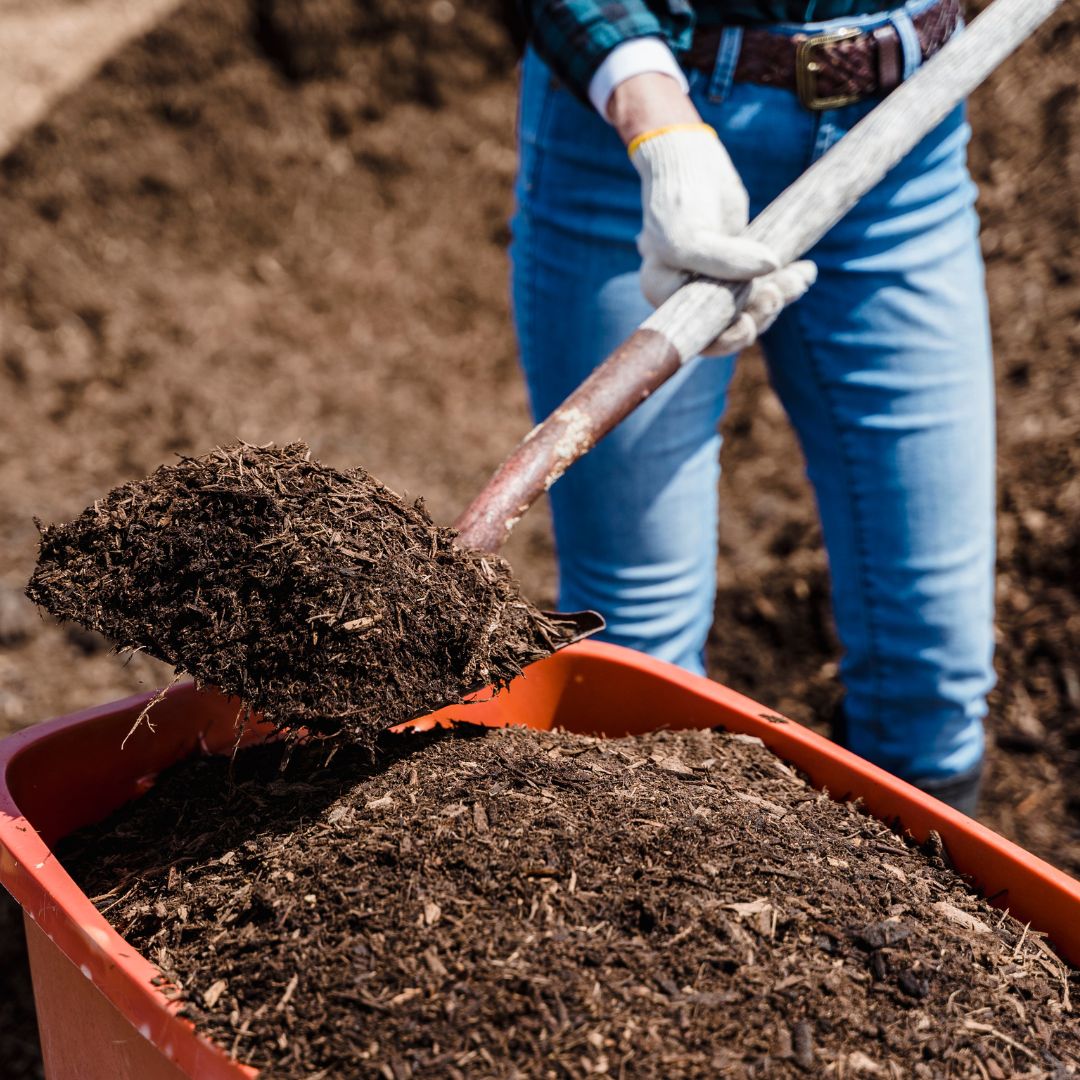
x: 807, y: 68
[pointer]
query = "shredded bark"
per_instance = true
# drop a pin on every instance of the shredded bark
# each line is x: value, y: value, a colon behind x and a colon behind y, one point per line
x: 524, y: 904
x: 317, y: 596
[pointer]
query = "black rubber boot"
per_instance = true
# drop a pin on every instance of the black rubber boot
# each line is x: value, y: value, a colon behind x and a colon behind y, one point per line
x: 838, y: 727
x: 961, y: 792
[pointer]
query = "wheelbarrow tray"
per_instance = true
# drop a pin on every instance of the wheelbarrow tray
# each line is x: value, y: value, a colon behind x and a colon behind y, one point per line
x: 102, y: 1011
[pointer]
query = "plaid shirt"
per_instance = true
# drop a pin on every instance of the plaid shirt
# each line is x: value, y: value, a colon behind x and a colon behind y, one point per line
x: 574, y: 36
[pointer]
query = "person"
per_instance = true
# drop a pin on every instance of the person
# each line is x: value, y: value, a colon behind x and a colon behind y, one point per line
x: 649, y: 131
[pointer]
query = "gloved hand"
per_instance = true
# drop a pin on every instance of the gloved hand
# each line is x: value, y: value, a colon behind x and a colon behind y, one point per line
x: 695, y: 207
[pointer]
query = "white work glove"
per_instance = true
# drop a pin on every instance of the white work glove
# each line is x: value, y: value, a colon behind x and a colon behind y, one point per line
x: 695, y: 207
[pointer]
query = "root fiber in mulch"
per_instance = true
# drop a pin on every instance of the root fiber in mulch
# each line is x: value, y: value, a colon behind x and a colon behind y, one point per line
x: 521, y: 904
x: 317, y: 596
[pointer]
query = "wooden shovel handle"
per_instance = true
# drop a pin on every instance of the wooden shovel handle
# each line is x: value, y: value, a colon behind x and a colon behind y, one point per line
x: 643, y: 362
x: 791, y: 225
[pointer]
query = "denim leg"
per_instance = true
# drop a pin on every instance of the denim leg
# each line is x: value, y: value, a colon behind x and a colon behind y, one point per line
x: 885, y: 370
x: 635, y: 520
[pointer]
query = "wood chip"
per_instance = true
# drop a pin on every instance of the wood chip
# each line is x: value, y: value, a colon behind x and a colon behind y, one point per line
x: 960, y: 917
x: 290, y: 989
x: 213, y: 993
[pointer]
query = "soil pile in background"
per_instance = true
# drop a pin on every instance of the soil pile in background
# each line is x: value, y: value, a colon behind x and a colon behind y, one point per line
x: 512, y: 903
x: 318, y: 597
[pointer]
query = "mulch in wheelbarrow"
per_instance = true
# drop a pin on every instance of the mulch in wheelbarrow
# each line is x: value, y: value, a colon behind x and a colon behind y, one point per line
x: 317, y: 596
x: 518, y: 904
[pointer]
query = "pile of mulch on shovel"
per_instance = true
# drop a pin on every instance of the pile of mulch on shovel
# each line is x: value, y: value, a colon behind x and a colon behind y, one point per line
x: 516, y: 904
x: 317, y: 596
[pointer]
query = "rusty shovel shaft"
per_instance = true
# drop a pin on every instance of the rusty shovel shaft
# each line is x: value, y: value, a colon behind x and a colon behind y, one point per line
x: 643, y: 362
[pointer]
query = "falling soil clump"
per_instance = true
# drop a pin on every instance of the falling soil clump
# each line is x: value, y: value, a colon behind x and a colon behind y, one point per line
x: 519, y: 904
x: 318, y: 597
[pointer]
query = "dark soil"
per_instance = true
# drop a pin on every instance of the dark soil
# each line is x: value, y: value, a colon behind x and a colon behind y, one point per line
x: 241, y: 231
x: 318, y: 597
x: 517, y: 904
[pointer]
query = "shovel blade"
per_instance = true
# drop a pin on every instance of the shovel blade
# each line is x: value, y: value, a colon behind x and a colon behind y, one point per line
x: 576, y: 625
x: 579, y: 625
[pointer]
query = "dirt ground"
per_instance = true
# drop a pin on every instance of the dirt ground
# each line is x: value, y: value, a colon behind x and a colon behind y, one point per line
x: 289, y: 222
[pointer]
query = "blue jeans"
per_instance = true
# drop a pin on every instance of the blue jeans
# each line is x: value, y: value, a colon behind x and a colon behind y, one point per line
x: 885, y: 372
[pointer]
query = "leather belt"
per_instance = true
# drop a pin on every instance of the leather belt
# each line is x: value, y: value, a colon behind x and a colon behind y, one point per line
x: 828, y: 70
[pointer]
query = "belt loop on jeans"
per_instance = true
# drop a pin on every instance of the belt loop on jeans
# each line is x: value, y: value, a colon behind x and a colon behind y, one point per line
x: 727, y: 57
x: 910, y: 44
